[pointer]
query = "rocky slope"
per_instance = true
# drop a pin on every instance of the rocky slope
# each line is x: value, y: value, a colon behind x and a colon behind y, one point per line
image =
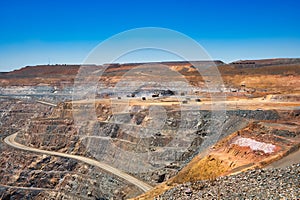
x: 261, y: 142
x: 59, y: 133
x: 254, y: 184
x: 35, y: 176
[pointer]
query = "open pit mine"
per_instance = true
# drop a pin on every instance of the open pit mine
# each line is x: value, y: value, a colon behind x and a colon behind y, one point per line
x: 169, y: 130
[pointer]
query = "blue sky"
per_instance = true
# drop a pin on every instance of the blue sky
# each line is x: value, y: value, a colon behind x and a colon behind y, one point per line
x: 61, y: 31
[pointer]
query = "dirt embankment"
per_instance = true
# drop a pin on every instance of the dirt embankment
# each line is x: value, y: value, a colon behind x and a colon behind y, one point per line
x: 269, y: 76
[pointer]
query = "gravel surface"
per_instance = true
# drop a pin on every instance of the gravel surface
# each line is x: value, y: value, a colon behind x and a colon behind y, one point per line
x: 254, y: 184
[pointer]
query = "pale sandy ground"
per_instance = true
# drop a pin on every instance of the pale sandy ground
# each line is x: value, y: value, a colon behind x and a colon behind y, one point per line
x: 240, y: 104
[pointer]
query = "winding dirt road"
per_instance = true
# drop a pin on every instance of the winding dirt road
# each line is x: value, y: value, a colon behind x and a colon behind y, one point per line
x: 26, y: 188
x: 10, y: 140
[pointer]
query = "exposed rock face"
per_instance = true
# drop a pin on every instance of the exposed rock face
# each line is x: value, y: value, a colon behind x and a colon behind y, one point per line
x: 15, y: 114
x: 59, y: 133
x: 57, y: 178
x: 35, y: 176
x: 254, y: 146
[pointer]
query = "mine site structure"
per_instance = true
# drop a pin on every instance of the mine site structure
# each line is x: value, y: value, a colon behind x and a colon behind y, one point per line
x: 156, y: 94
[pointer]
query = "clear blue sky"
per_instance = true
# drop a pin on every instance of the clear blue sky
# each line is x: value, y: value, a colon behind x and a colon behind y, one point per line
x: 61, y: 31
